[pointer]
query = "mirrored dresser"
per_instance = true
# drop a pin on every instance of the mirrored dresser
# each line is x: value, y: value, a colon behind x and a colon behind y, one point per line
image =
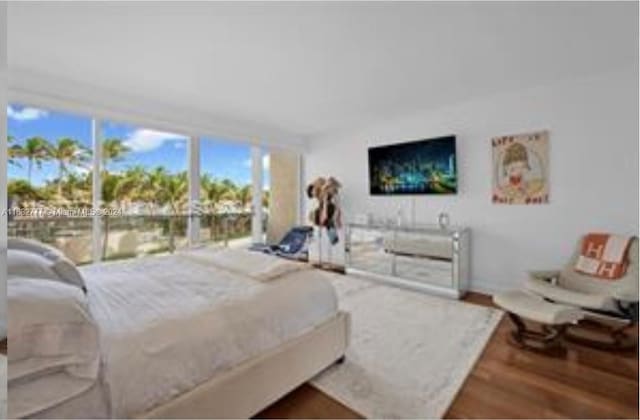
x: 423, y: 257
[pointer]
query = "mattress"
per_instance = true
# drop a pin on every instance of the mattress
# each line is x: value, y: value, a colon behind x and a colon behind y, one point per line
x: 170, y: 323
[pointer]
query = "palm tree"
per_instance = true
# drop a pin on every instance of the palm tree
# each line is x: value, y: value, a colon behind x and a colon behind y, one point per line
x: 133, y: 184
x: 153, y: 184
x: 23, y: 190
x: 213, y: 192
x: 35, y: 150
x: 229, y: 184
x: 243, y: 196
x: 113, y: 150
x: 172, y: 191
x: 77, y: 188
x: 14, y: 151
x: 115, y: 188
x: 109, y: 194
x: 67, y: 152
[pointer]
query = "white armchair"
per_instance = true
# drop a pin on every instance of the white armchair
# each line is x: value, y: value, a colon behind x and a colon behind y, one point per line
x: 613, y: 297
x: 579, y: 307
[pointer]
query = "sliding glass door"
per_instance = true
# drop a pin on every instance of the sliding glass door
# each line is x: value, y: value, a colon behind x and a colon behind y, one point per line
x: 49, y: 179
x: 143, y: 191
x: 226, y: 192
x: 144, y: 188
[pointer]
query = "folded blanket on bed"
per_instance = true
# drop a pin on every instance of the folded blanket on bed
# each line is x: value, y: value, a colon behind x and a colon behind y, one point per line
x: 258, y: 266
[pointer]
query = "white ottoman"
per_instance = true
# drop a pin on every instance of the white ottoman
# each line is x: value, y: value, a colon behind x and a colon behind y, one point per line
x: 553, y: 317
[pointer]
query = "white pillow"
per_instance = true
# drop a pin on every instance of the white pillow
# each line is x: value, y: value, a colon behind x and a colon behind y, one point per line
x: 58, y: 267
x: 34, y: 246
x: 50, y: 326
x: 68, y: 272
x: 54, y: 339
x: 27, y: 264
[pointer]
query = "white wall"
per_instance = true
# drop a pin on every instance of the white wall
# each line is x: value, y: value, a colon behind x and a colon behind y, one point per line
x: 593, y: 126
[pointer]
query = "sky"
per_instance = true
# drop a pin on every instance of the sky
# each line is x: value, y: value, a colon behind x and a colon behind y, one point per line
x: 149, y: 148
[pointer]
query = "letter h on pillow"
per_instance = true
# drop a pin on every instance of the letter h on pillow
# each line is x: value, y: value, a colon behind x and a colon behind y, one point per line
x: 33, y: 259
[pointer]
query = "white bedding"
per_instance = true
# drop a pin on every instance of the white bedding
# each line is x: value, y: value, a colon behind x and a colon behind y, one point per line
x: 257, y: 265
x: 54, y: 352
x: 170, y: 323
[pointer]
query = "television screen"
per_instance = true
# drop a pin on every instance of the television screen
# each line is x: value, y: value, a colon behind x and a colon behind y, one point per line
x: 417, y: 167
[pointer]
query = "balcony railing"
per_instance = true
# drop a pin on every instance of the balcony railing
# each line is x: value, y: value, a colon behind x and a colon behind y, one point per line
x: 131, y: 235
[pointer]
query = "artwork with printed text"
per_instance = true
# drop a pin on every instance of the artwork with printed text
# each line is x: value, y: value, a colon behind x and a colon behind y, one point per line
x: 521, y: 168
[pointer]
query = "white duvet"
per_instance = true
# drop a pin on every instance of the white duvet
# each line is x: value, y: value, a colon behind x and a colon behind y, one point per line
x: 170, y: 323
x: 256, y: 265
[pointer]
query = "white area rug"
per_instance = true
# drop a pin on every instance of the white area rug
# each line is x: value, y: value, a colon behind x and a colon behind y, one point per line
x: 410, y: 352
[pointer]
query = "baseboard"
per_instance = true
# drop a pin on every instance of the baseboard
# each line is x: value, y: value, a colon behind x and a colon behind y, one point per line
x: 485, y: 288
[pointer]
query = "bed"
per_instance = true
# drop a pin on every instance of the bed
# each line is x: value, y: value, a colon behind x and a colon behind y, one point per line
x: 202, y: 334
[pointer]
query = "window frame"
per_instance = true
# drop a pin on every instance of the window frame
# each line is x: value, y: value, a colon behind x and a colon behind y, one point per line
x: 193, y: 171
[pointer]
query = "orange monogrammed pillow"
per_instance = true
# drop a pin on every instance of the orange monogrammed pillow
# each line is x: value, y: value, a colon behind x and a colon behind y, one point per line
x: 603, y: 255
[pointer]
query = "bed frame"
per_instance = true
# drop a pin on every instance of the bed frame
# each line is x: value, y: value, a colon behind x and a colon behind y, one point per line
x: 248, y: 388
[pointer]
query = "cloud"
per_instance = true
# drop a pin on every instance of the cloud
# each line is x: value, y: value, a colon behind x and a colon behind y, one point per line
x: 145, y: 140
x: 25, y: 114
x: 79, y: 170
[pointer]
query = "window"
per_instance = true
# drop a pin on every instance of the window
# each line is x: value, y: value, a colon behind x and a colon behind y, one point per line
x: 144, y: 178
x: 144, y: 183
x: 225, y: 192
x: 266, y: 192
x: 49, y: 178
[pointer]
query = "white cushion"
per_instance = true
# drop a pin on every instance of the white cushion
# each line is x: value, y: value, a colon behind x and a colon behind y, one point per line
x: 52, y: 336
x: 570, y: 297
x: 59, y: 267
x: 50, y: 320
x: 68, y: 272
x: 27, y: 264
x: 534, y: 308
x: 33, y: 246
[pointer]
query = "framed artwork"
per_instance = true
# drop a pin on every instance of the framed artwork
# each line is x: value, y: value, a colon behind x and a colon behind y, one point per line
x: 521, y: 168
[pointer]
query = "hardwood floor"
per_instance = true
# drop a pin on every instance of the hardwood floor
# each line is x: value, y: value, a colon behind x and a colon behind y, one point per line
x: 306, y: 402
x: 507, y: 382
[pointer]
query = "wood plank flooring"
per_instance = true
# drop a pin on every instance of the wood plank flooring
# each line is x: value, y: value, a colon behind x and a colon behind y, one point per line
x: 510, y: 383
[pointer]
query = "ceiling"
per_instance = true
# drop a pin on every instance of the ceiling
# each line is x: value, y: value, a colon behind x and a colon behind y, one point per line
x: 310, y: 68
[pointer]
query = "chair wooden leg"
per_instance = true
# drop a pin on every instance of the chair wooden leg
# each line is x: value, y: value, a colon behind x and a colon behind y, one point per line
x: 550, y: 340
x: 601, y: 336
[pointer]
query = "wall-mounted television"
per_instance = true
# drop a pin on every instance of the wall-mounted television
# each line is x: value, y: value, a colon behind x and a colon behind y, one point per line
x: 417, y: 167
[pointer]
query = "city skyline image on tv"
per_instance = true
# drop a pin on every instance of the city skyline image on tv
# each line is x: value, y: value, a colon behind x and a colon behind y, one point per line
x: 417, y: 167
